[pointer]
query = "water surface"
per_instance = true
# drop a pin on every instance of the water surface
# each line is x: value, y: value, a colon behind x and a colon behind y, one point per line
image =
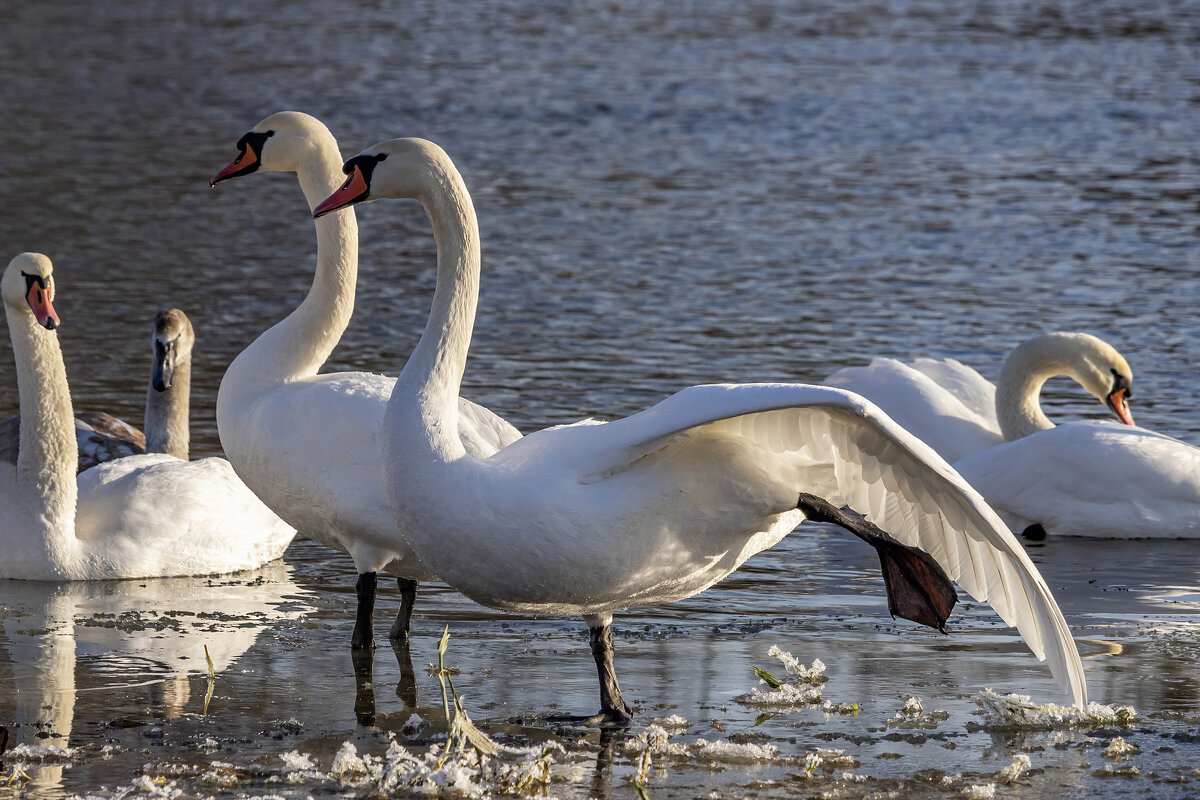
x: 711, y: 192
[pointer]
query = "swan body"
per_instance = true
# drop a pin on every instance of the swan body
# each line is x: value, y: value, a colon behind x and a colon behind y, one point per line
x: 308, y: 444
x: 1078, y: 479
x: 594, y: 517
x: 99, y: 437
x: 141, y: 516
x: 1096, y: 479
x: 948, y: 405
x: 958, y: 412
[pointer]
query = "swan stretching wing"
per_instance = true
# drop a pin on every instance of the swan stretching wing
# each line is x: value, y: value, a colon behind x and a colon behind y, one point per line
x: 594, y: 517
x: 827, y: 442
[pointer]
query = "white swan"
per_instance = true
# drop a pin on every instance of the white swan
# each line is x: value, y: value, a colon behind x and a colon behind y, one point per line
x: 1079, y: 479
x: 1095, y: 479
x: 594, y: 517
x: 958, y: 412
x: 308, y: 444
x: 135, y: 517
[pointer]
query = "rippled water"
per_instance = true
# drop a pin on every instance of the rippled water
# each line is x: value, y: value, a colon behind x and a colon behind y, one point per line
x: 667, y: 196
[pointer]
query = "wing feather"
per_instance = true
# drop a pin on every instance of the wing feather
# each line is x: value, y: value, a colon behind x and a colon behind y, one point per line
x: 880, y: 469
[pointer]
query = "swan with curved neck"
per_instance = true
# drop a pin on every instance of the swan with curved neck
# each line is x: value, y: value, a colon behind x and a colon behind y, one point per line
x: 958, y: 412
x: 1094, y: 479
x: 325, y: 479
x: 140, y: 516
x: 1088, y: 360
x: 594, y: 517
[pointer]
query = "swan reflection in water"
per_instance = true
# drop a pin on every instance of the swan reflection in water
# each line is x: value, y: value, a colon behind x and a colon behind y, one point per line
x: 60, y: 640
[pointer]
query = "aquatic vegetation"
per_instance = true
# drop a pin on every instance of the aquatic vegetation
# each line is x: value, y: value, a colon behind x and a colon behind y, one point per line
x: 842, y: 709
x: 212, y: 681
x: 454, y: 768
x: 639, y: 780
x: 673, y: 721
x: 731, y: 751
x: 37, y: 754
x: 655, y: 739
x: 1013, y: 771
x: 811, y: 762
x: 1119, y: 748
x: 1113, y: 771
x: 805, y: 691
x: 1018, y: 711
x: 912, y: 715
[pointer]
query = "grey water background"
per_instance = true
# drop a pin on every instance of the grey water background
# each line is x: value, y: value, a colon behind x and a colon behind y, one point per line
x: 668, y: 195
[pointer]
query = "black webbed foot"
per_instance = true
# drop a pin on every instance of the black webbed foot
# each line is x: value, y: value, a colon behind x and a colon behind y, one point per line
x: 609, y: 719
x: 918, y: 589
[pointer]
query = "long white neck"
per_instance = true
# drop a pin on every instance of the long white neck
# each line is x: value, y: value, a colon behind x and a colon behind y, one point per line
x: 1025, y: 371
x: 432, y: 377
x: 48, y: 454
x: 166, y: 422
x: 298, y: 345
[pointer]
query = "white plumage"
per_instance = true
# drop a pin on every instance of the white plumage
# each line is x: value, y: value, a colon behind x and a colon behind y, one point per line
x: 1077, y: 479
x: 140, y: 516
x: 594, y: 517
x: 308, y: 444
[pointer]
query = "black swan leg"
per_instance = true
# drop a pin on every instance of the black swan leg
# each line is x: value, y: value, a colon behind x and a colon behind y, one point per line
x: 614, y: 711
x: 364, y: 636
x: 917, y: 588
x: 408, y: 596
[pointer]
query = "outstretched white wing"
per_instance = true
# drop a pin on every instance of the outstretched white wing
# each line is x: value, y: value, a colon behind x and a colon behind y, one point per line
x: 875, y: 467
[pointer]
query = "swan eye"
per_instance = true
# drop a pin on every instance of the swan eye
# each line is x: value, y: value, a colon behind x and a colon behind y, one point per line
x: 1121, y: 384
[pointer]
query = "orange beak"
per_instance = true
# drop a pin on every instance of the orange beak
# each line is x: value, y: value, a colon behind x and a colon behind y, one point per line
x: 40, y: 302
x: 244, y: 164
x: 1118, y: 401
x: 354, y: 190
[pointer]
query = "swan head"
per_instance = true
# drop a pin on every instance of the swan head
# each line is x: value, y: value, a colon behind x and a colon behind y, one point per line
x: 280, y: 143
x: 395, y: 168
x: 1101, y: 370
x: 172, y: 340
x: 1092, y: 362
x: 28, y: 285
